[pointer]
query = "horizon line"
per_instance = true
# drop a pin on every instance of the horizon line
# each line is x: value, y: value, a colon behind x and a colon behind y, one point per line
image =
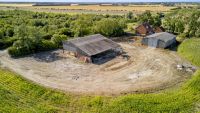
x: 98, y: 2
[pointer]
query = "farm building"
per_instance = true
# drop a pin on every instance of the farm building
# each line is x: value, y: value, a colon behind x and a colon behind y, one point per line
x: 159, y: 40
x: 144, y: 29
x: 159, y: 29
x: 92, y: 48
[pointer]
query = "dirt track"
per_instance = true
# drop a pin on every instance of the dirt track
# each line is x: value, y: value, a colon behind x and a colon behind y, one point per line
x: 148, y: 69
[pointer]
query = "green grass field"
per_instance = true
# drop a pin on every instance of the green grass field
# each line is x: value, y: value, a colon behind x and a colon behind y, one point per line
x: 190, y: 49
x: 19, y: 95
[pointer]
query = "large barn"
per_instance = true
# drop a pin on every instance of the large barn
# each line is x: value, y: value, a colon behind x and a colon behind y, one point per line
x: 159, y: 40
x: 92, y: 48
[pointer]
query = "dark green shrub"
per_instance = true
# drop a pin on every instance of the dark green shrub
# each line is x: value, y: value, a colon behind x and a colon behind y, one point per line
x: 17, y: 52
x: 1, y: 44
x: 47, y: 45
x: 7, y: 42
x: 57, y: 39
x: 9, y: 32
x: 65, y: 31
x: 47, y: 36
x: 1, y: 34
x: 38, y: 23
x: 129, y: 15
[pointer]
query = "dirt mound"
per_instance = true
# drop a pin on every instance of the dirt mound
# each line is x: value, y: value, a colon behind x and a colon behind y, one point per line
x: 117, y: 65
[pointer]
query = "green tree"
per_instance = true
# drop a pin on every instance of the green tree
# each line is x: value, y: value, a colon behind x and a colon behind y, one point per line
x: 183, y: 21
x: 146, y: 17
x: 24, y: 40
x: 81, y: 28
x: 65, y: 31
x: 57, y: 39
x: 154, y: 20
x: 129, y: 15
x: 9, y: 32
x: 109, y: 27
x: 1, y: 34
x: 179, y: 26
x: 36, y: 36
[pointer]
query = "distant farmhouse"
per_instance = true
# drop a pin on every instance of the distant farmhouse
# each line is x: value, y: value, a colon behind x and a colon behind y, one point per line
x: 159, y: 40
x: 92, y: 48
x: 146, y: 29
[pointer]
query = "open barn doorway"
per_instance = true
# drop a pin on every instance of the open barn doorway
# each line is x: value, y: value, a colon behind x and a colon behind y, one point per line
x: 104, y: 57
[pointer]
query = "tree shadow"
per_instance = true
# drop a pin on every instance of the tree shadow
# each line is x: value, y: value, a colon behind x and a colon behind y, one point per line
x: 49, y: 56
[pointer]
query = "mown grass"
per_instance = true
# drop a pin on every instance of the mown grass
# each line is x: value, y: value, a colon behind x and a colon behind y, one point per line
x: 19, y: 95
x: 190, y: 49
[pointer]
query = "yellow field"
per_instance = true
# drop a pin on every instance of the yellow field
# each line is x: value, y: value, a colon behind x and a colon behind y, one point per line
x: 16, y: 5
x: 155, y: 8
x: 136, y: 8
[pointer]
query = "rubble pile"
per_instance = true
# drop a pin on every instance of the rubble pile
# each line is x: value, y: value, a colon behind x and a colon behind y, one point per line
x: 186, y: 67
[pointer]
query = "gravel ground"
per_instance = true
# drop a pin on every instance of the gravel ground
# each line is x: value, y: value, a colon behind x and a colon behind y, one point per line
x: 147, y: 70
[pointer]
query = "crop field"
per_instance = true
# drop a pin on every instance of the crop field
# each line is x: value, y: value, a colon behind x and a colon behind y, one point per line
x: 19, y: 95
x: 94, y: 9
x: 16, y: 5
x: 111, y: 8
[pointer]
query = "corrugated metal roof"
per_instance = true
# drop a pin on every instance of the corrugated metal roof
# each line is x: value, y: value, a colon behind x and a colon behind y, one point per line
x: 164, y: 36
x: 93, y: 44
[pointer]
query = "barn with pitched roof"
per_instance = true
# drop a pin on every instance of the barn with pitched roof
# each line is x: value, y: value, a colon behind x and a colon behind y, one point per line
x: 92, y: 47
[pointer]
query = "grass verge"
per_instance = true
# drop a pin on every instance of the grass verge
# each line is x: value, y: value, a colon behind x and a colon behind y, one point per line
x: 190, y: 49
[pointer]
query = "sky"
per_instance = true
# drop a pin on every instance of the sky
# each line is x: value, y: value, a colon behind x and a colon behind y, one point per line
x: 99, y: 0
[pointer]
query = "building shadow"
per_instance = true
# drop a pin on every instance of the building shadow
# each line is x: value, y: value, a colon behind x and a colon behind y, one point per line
x: 173, y: 47
x: 102, y: 60
x: 103, y: 57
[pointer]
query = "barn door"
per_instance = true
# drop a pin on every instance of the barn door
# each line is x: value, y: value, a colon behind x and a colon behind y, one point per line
x: 152, y: 42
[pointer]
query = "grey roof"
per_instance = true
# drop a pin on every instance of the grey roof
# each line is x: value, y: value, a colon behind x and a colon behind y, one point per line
x: 94, y: 44
x: 164, y: 36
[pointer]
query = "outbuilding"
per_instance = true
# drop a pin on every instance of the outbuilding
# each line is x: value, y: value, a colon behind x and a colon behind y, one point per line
x: 92, y: 48
x: 144, y: 29
x: 159, y: 40
x: 159, y: 29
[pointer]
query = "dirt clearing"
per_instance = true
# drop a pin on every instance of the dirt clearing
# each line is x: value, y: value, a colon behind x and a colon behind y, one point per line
x: 147, y: 70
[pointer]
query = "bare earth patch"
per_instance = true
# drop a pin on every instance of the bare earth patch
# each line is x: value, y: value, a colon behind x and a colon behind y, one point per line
x: 147, y: 70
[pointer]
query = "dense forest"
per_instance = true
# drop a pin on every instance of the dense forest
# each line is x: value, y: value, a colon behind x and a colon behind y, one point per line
x: 26, y: 32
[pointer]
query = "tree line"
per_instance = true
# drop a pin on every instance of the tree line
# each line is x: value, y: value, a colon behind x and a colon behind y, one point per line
x: 26, y: 32
x: 184, y: 22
